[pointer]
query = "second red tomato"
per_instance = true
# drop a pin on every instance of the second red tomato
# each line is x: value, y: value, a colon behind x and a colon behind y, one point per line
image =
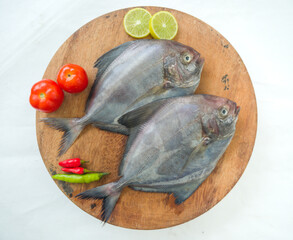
x: 72, y: 78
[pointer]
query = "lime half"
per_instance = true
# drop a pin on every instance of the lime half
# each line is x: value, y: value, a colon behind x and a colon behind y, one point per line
x: 163, y: 25
x: 136, y: 22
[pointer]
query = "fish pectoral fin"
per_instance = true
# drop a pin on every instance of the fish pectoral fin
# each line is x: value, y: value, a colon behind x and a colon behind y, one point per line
x: 181, y: 193
x: 142, y: 114
x: 117, y: 128
x: 103, y: 63
x: 204, y: 142
x: 155, y: 91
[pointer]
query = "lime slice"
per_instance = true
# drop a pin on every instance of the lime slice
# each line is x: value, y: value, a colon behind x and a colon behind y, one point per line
x: 136, y: 22
x: 163, y: 25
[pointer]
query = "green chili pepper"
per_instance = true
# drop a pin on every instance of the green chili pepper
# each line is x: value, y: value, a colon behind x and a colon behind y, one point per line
x: 76, y: 178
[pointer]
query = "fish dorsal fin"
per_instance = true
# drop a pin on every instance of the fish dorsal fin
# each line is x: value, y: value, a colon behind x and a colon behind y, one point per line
x: 104, y: 61
x: 142, y: 114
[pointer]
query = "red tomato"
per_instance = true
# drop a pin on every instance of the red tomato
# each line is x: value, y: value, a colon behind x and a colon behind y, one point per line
x: 46, y: 96
x: 72, y: 78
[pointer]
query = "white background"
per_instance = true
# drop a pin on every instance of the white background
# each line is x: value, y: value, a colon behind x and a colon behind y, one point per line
x: 258, y: 207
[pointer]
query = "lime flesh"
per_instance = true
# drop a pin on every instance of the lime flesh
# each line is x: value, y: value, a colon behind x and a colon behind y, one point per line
x: 136, y: 22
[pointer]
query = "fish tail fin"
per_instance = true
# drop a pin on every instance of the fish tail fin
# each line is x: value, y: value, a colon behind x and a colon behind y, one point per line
x: 71, y: 128
x: 110, y: 194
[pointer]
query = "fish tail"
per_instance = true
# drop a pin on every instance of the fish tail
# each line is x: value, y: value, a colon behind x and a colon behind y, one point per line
x: 110, y: 194
x: 71, y: 128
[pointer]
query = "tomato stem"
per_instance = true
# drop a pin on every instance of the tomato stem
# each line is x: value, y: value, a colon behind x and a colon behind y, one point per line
x: 42, y: 95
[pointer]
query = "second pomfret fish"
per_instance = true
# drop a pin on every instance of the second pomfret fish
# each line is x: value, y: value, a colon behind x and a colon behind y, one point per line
x: 130, y: 76
x: 176, y: 147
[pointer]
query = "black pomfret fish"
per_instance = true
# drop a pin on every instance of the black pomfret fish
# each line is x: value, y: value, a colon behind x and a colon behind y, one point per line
x: 174, y: 149
x: 130, y: 76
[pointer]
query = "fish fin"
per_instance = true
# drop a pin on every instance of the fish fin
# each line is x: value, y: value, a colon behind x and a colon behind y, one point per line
x: 71, y: 130
x: 142, y: 114
x: 180, y: 192
x: 149, y: 189
x: 204, y: 142
x: 185, y: 191
x: 109, y: 193
x: 132, y: 136
x: 117, y: 128
x: 103, y: 63
x: 106, y: 59
x: 154, y: 91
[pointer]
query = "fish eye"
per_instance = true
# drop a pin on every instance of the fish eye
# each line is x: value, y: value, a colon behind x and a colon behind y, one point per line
x: 187, y: 57
x: 223, y: 112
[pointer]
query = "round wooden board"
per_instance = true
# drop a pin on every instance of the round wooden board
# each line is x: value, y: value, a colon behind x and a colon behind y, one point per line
x: 224, y: 74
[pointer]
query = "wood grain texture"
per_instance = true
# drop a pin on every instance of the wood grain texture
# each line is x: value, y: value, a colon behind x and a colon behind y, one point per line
x: 224, y: 74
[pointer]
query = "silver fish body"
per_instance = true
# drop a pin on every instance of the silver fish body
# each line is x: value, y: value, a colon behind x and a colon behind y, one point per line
x: 175, y: 148
x: 130, y: 76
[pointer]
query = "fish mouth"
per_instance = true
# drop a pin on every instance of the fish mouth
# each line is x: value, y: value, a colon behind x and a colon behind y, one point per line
x: 200, y: 61
x: 237, y: 110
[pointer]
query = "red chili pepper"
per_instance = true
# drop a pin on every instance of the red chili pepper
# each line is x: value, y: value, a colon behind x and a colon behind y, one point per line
x: 71, y: 163
x: 77, y: 170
